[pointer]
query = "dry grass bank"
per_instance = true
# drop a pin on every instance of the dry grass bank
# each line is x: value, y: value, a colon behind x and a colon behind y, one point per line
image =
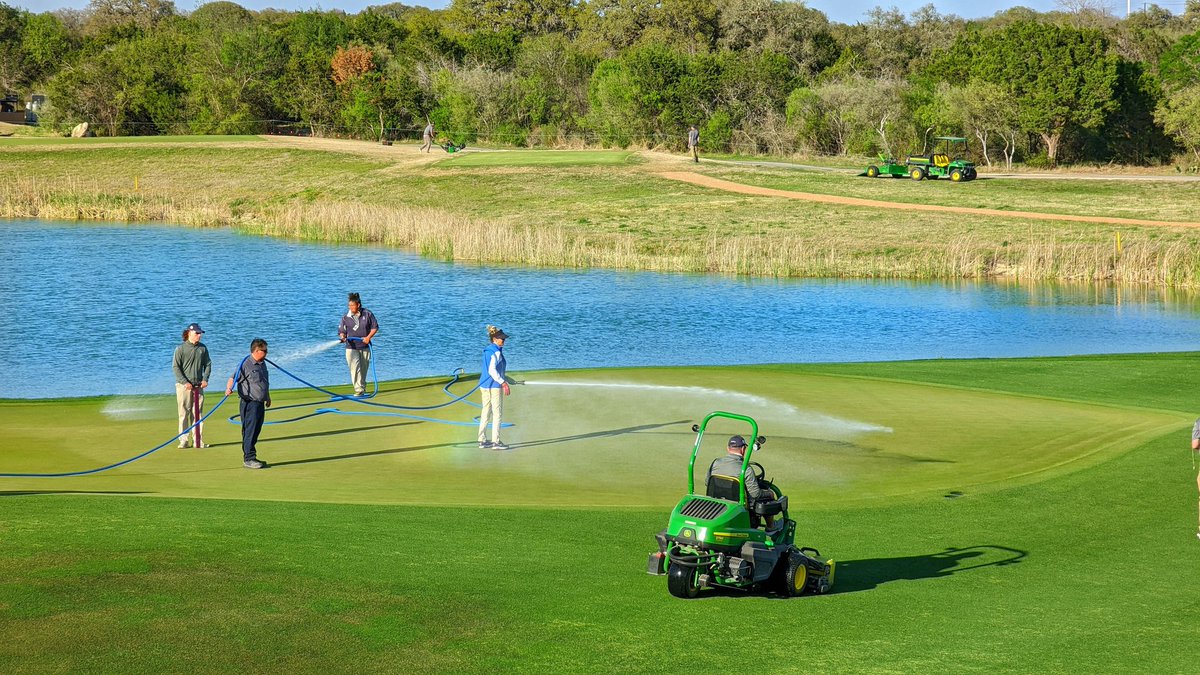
x: 616, y: 217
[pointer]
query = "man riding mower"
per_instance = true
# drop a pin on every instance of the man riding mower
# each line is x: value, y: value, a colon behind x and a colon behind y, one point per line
x: 716, y: 539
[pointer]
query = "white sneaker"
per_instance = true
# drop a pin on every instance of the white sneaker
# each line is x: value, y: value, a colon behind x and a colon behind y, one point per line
x: 499, y: 446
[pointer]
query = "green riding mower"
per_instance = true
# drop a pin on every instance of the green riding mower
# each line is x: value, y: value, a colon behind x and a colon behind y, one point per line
x: 720, y: 539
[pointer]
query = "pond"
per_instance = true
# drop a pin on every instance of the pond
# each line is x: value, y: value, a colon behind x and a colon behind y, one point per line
x: 93, y: 309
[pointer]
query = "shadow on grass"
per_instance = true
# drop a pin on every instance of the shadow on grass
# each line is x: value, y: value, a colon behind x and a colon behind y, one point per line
x: 597, y: 434
x: 840, y: 448
x: 432, y: 446
x: 862, y: 575
x: 25, y: 493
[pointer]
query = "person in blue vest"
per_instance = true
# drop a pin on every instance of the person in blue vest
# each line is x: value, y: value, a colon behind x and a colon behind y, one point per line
x: 493, y: 386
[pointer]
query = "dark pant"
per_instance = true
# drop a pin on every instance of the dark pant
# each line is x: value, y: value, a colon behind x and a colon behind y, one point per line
x: 253, y: 413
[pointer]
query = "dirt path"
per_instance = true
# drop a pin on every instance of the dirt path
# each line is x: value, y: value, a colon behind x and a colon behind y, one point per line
x: 729, y: 186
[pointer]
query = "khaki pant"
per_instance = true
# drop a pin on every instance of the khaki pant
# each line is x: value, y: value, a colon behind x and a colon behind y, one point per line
x: 493, y: 406
x: 186, y: 410
x: 359, y: 361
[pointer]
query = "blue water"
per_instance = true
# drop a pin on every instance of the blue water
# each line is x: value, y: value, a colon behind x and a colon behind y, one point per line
x: 98, y: 309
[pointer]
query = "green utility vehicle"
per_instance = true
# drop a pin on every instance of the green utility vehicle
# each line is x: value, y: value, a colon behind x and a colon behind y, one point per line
x: 944, y: 162
x: 715, y: 539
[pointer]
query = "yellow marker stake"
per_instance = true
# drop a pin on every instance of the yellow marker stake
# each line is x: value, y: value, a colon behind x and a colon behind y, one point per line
x: 135, y: 185
x: 1118, y: 243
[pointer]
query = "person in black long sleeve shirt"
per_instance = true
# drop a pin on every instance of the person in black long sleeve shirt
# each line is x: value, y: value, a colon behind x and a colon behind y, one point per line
x: 254, y: 390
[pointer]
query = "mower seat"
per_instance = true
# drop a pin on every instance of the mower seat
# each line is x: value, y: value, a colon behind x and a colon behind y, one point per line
x: 941, y: 160
x: 771, y: 508
x: 723, y: 487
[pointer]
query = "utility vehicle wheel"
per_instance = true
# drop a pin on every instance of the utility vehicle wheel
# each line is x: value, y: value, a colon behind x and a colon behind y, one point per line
x: 681, y: 581
x: 872, y: 172
x: 956, y: 175
x: 796, y: 576
x: 917, y: 173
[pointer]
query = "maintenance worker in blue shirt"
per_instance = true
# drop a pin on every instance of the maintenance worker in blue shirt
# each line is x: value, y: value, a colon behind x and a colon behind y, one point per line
x: 493, y: 383
x: 357, y: 329
x: 254, y: 390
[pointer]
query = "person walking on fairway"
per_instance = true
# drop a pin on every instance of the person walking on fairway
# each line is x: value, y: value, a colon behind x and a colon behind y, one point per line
x: 254, y: 389
x: 357, y: 329
x: 493, y: 385
x: 693, y: 141
x: 192, y: 366
x: 427, y: 137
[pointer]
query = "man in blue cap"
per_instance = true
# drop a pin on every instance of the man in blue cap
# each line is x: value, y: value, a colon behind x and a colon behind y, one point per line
x: 192, y: 366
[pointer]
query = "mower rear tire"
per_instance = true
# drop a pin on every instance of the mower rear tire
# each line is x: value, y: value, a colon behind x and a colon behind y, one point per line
x: 872, y: 172
x: 682, y: 581
x: 795, y: 577
x: 917, y: 173
x: 956, y: 175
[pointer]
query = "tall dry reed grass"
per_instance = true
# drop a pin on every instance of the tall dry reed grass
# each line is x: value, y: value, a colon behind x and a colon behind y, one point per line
x: 442, y: 235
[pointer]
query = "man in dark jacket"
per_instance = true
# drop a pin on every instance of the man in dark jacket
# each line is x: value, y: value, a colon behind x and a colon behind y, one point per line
x: 254, y: 389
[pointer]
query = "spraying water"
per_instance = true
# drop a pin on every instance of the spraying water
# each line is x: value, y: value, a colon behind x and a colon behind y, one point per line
x: 301, y: 353
x: 809, y: 420
x: 135, y: 408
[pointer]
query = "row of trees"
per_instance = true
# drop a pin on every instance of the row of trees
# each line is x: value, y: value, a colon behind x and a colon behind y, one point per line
x: 755, y: 75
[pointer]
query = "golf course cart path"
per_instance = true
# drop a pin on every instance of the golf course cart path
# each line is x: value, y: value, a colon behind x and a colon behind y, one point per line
x: 740, y: 188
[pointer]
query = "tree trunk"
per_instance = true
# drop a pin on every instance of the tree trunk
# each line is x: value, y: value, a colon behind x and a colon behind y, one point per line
x: 983, y: 138
x: 1052, y: 140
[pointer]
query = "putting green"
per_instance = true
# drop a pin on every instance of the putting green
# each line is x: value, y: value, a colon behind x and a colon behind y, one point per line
x: 591, y: 438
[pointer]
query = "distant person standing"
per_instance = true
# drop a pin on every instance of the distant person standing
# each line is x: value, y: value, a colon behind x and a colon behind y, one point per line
x: 493, y: 385
x: 192, y: 366
x: 693, y: 141
x: 427, y: 137
x: 254, y: 389
x: 357, y: 329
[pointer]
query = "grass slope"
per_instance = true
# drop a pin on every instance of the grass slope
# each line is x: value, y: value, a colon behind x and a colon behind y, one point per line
x: 1081, y: 570
x: 607, y: 208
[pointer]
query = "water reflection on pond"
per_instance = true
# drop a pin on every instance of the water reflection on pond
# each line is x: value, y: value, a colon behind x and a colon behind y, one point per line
x: 98, y: 309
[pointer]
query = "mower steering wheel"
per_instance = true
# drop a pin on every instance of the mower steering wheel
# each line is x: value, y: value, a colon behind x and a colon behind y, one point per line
x: 759, y: 472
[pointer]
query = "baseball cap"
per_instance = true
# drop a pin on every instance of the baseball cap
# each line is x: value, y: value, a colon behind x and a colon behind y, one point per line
x: 195, y: 327
x: 737, y: 442
x: 500, y: 334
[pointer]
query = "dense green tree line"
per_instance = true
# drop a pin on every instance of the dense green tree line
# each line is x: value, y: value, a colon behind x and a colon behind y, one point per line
x: 753, y: 75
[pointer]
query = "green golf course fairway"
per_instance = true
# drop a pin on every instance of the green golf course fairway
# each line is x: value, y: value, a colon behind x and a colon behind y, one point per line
x: 986, y: 515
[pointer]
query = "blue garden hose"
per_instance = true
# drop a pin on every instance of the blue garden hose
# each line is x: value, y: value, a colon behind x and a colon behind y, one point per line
x: 455, y: 375
x: 131, y: 459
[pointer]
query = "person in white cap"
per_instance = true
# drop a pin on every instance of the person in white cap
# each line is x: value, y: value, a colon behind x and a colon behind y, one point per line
x: 192, y: 367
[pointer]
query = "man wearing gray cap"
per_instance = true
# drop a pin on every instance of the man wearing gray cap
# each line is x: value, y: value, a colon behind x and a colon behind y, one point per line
x: 192, y: 367
x: 730, y: 465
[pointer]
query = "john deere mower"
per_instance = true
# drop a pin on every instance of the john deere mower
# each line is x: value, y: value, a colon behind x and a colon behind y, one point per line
x: 720, y: 539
